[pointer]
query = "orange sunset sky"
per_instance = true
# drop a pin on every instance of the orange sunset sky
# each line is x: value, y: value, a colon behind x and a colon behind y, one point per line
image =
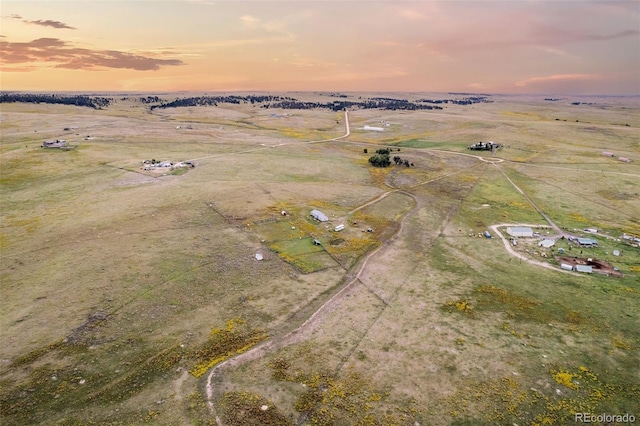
x: 563, y: 47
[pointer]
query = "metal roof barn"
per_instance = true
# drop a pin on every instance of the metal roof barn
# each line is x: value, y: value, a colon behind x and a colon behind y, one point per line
x: 520, y: 231
x: 584, y: 268
x: 318, y: 215
x: 587, y: 242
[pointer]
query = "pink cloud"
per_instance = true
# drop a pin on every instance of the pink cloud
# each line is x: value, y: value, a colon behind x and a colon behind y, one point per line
x: 62, y: 54
x: 50, y: 23
x: 44, y: 22
x: 557, y: 78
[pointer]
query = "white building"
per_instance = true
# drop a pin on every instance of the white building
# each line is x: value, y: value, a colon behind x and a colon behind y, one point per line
x: 520, y: 231
x: 318, y: 215
x: 547, y: 243
x: 375, y: 129
x: 339, y: 228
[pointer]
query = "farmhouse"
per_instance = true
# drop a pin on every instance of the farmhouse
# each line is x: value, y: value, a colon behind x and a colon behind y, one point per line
x: 318, y: 215
x: 520, y: 231
x: 587, y: 242
x: 58, y: 143
x: 482, y: 146
x: 547, y: 243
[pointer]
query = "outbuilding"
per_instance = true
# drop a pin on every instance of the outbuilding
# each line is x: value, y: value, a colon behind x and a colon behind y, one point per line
x: 339, y: 228
x: 566, y: 267
x: 318, y: 215
x: 587, y: 242
x: 584, y: 268
x: 520, y: 231
x: 547, y: 243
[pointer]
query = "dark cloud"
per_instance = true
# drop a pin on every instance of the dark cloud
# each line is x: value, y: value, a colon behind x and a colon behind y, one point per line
x: 50, y: 23
x: 62, y: 54
x: 44, y: 22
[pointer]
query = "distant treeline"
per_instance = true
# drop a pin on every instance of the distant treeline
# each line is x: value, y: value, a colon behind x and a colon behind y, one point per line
x: 95, y: 102
x: 465, y: 101
x: 284, y: 102
x: 215, y: 100
x: 265, y: 101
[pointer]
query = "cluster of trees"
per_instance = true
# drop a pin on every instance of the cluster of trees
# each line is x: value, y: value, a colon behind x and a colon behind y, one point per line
x: 382, y: 158
x: 95, y: 102
x: 399, y: 161
x: 150, y: 100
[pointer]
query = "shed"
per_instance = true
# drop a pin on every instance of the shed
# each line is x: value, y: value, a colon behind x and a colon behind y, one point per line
x: 584, y: 268
x: 339, y: 228
x: 547, y: 243
x: 259, y: 256
x: 587, y: 242
x: 487, y: 234
x: 520, y: 231
x: 316, y: 242
x: 566, y: 267
x: 318, y: 215
x: 58, y: 143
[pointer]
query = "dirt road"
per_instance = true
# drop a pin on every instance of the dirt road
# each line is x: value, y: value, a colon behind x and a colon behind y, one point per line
x: 512, y: 252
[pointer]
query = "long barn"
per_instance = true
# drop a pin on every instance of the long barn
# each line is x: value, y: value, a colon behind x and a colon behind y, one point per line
x: 520, y: 231
x: 318, y: 215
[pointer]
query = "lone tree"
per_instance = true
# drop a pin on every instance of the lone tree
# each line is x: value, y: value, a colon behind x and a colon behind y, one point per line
x: 380, y: 160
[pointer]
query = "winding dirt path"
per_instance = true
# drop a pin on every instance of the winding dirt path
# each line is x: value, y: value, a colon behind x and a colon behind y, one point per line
x: 317, y: 317
x: 263, y: 147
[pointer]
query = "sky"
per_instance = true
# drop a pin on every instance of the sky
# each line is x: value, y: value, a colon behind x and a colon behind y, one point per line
x: 517, y: 46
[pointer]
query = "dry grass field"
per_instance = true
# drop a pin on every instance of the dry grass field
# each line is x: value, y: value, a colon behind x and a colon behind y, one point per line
x: 133, y: 297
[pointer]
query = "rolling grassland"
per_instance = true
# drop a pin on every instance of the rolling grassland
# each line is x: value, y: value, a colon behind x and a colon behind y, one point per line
x: 133, y: 296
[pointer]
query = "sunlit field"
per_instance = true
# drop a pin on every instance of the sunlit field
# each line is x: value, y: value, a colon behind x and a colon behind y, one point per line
x: 206, y: 293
